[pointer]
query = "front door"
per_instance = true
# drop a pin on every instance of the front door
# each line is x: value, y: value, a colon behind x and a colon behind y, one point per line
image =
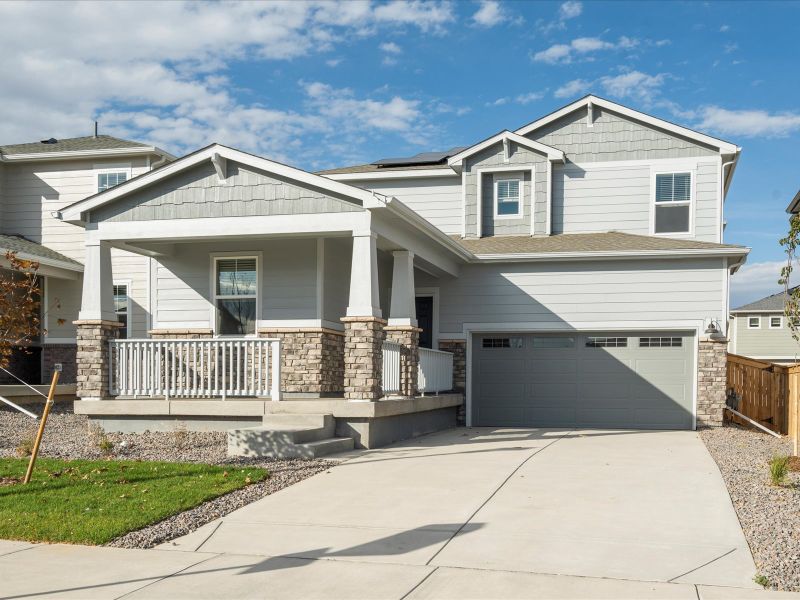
x: 425, y: 320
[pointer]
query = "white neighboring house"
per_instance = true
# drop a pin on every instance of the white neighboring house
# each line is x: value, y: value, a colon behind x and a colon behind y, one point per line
x: 759, y: 330
x: 569, y: 273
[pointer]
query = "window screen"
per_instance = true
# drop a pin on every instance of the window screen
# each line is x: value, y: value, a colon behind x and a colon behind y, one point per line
x: 508, y: 197
x: 673, y: 202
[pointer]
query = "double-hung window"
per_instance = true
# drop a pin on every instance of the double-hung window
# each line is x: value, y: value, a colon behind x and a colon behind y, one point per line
x: 507, y: 198
x: 673, y: 203
x: 235, y: 295
x: 110, y: 179
x: 122, y: 308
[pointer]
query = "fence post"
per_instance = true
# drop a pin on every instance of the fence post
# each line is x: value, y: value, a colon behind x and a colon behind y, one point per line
x: 794, y: 408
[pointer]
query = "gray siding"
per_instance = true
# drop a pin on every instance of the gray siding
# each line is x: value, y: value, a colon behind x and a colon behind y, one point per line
x: 198, y: 193
x: 338, y: 252
x: 518, y: 226
x: 591, y: 197
x: 764, y: 342
x: 638, y: 293
x: 493, y: 157
x: 614, y: 137
x: 437, y: 199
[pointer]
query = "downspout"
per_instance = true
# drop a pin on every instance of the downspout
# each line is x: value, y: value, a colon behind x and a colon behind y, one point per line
x: 722, y: 195
x: 160, y: 162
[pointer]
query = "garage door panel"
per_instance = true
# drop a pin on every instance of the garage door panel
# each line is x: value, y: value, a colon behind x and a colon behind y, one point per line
x: 552, y: 382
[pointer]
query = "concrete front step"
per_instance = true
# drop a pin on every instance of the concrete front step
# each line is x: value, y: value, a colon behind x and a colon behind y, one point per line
x: 288, y: 436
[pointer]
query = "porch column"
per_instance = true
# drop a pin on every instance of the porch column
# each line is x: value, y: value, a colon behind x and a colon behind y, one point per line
x: 363, y: 325
x: 402, y: 328
x: 96, y: 325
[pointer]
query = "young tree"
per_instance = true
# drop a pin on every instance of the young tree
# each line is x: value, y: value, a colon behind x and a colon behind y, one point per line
x: 19, y: 305
x: 791, y: 307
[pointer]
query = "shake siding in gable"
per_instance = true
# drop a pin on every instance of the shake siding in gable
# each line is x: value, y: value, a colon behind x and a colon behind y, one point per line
x: 614, y: 137
x: 564, y: 294
x: 437, y: 199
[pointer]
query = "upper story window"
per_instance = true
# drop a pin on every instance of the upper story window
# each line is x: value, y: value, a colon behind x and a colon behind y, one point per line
x: 122, y: 308
x: 754, y: 322
x: 775, y: 322
x: 236, y: 295
x: 110, y: 179
x: 507, y: 198
x: 673, y: 203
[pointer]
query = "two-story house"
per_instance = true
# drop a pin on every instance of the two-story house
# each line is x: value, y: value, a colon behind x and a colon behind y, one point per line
x: 569, y: 273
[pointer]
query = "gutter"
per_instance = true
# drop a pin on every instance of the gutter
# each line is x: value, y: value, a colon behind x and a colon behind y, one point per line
x: 42, y: 156
x: 626, y: 255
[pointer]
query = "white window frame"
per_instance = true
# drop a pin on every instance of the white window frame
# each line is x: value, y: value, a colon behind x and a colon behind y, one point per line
x: 779, y: 325
x: 672, y: 170
x: 520, y: 199
x: 99, y: 169
x: 128, y: 287
x: 215, y: 257
x: 751, y: 326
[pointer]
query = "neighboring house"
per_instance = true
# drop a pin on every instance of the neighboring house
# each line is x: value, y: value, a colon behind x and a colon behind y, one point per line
x: 570, y: 273
x: 759, y: 330
x: 36, y: 180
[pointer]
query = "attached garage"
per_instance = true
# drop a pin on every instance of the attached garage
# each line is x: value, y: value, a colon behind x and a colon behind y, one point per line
x: 625, y: 380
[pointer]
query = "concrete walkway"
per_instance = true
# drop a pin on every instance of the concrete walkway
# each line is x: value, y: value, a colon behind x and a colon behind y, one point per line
x: 467, y: 513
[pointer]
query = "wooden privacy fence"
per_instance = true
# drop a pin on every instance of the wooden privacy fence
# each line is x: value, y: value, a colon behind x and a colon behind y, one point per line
x: 762, y: 390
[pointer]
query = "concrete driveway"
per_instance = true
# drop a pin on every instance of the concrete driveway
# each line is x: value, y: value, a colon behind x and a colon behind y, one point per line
x: 471, y: 513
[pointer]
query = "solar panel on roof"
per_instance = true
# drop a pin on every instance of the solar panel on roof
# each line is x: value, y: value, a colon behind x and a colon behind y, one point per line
x: 423, y: 158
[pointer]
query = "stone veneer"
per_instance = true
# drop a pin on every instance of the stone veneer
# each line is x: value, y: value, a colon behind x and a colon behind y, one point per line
x: 459, y: 351
x: 92, y: 357
x: 363, y: 357
x: 312, y: 359
x: 408, y: 338
x: 711, y: 382
x: 60, y: 353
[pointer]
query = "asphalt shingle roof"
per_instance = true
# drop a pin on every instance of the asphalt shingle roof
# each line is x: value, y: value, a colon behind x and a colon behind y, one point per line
x: 773, y: 302
x: 19, y: 244
x: 612, y: 241
x: 101, y: 142
x: 377, y: 169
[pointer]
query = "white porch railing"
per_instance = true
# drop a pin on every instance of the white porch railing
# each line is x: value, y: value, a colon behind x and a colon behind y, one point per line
x: 391, y: 367
x: 192, y: 368
x: 435, y: 371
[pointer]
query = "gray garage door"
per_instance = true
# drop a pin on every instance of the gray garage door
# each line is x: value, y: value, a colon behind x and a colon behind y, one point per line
x: 637, y: 380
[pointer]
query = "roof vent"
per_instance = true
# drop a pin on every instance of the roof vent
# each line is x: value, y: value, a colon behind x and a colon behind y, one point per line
x: 50, y: 141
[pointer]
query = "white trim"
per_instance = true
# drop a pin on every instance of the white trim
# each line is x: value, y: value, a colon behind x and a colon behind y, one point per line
x: 505, y: 136
x: 548, y: 223
x: 627, y: 254
x: 750, y: 325
x: 105, y: 169
x: 464, y: 204
x: 43, y: 260
x: 128, y: 309
x: 723, y: 146
x: 40, y: 156
x: 739, y: 311
x: 398, y: 174
x: 470, y: 329
x: 479, y: 207
x: 320, y: 297
x: 654, y: 173
x: 589, y: 114
x: 244, y: 254
x: 726, y: 292
x: 431, y: 292
x: 297, y: 323
x: 780, y: 324
x: 148, y: 319
x: 74, y: 213
x: 520, y: 214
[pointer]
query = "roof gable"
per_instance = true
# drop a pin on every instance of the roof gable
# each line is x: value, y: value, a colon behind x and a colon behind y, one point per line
x: 505, y: 137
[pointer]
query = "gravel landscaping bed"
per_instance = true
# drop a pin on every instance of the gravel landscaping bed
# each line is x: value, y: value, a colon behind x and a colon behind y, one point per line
x: 69, y: 436
x: 770, y: 515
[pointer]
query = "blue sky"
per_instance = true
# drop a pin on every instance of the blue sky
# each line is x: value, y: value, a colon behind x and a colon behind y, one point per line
x: 327, y: 84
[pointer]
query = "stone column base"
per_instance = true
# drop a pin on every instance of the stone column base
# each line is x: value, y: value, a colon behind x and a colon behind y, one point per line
x: 459, y: 350
x: 93, y: 357
x: 312, y: 360
x: 408, y: 338
x: 712, y: 382
x: 363, y: 358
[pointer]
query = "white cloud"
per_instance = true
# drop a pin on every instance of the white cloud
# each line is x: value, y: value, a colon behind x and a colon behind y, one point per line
x: 566, y: 53
x: 529, y: 97
x: 731, y: 47
x: 489, y: 14
x: 576, y: 87
x: 724, y: 28
x: 748, y: 123
x: 143, y: 77
x: 754, y: 281
x: 391, y: 48
x: 634, y: 84
x: 570, y: 10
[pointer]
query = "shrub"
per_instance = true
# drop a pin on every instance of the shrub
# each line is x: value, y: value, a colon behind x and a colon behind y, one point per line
x: 99, y: 439
x: 762, y: 581
x: 778, y: 469
x: 25, y: 447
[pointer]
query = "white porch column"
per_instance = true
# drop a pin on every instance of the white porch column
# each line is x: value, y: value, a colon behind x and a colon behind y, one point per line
x: 97, y: 302
x: 402, y: 311
x: 364, y: 299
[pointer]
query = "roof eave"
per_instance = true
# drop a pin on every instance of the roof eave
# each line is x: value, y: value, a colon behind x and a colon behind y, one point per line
x: 612, y: 255
x: 456, y: 161
x: 68, y: 154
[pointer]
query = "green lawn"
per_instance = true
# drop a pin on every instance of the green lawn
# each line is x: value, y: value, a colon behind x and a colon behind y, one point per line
x: 95, y: 501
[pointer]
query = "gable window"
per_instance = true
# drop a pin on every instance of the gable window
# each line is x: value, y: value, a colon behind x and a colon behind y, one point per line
x: 754, y: 322
x: 110, y: 179
x: 122, y: 308
x: 775, y: 322
x: 673, y: 203
x: 507, y: 198
x: 235, y: 295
